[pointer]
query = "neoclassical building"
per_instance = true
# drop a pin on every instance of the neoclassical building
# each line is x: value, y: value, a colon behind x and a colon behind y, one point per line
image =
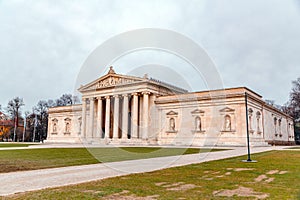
x: 121, y: 109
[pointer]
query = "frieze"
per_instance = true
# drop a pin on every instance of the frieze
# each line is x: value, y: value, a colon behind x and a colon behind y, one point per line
x: 113, y: 81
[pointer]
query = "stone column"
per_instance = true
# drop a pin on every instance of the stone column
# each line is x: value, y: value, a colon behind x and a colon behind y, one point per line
x: 91, y: 121
x: 99, y: 118
x: 145, y: 114
x: 135, y: 114
x: 83, y: 118
x: 116, y: 117
x: 107, y: 116
x: 125, y: 117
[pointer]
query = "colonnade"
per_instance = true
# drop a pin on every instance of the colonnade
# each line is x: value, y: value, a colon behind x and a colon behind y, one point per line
x: 124, y: 116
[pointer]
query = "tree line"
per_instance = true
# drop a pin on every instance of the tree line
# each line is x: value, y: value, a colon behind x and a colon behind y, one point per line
x: 31, y: 125
x: 292, y: 107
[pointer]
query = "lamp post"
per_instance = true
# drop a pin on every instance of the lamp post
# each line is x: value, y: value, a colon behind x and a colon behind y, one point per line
x: 247, y: 126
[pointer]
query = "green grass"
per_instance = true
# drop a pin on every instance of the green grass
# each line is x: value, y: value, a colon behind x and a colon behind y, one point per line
x: 134, y: 153
x: 30, y: 159
x: 12, y: 144
x: 203, y: 176
x: 298, y: 147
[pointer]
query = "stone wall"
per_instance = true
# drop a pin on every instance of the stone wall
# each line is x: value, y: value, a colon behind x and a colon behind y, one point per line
x: 64, y: 124
x: 201, y: 118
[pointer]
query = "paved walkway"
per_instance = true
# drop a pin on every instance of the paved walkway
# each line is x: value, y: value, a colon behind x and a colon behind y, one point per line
x: 15, y: 182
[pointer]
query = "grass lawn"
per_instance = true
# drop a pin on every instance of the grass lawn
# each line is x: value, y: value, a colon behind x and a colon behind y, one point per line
x: 298, y: 147
x: 13, y: 144
x: 133, y: 153
x: 29, y: 159
x: 276, y: 175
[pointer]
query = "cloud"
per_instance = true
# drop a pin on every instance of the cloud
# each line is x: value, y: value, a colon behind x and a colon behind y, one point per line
x: 43, y: 44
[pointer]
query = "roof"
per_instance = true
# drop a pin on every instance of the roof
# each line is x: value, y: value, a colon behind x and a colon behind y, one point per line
x: 112, y: 79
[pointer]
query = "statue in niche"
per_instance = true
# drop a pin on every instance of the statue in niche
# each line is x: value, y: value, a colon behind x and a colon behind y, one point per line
x: 250, y: 122
x: 80, y: 124
x: 54, y: 127
x: 68, y: 127
x: 250, y: 112
x: 227, y: 123
x: 172, y: 124
x: 258, y: 121
x: 198, y: 124
x: 275, y: 126
x: 279, y: 127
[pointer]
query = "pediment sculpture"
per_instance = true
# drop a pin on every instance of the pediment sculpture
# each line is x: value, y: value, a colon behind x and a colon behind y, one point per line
x: 113, y: 81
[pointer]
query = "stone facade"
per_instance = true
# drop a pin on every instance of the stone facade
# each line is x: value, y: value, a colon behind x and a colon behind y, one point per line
x: 121, y: 109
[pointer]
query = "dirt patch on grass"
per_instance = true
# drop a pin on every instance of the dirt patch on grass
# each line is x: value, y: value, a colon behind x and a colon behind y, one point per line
x: 160, y: 184
x: 91, y: 191
x: 269, y: 180
x: 130, y: 197
x: 122, y: 196
x: 273, y: 172
x: 182, y: 187
x: 173, y: 185
x: 282, y: 172
x: 179, y: 186
x: 242, y: 169
x: 260, y: 178
x: 241, y: 192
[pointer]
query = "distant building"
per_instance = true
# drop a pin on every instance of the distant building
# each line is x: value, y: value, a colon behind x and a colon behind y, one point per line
x: 7, y: 126
x: 121, y: 109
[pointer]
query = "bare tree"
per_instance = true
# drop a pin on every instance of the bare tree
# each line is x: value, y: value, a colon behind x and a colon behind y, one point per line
x: 270, y: 102
x: 51, y: 103
x: 292, y: 107
x: 14, y: 108
x: 67, y: 99
x: 41, y: 109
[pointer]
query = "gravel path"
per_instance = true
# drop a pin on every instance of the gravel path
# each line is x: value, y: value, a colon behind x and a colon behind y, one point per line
x: 15, y: 182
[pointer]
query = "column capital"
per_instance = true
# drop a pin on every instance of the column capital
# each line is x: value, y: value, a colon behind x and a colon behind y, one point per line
x: 84, y: 99
x: 92, y: 98
x: 99, y: 98
x: 107, y: 97
x: 116, y: 96
x: 134, y: 94
x: 146, y: 92
x: 125, y: 95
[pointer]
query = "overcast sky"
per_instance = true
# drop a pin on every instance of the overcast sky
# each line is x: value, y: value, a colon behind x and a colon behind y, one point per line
x: 253, y: 43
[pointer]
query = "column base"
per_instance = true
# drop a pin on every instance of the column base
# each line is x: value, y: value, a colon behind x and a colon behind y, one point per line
x: 118, y: 141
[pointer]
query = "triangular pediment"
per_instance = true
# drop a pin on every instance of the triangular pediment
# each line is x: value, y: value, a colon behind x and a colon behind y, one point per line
x: 227, y: 109
x: 67, y: 119
x: 197, y: 111
x: 110, y: 80
x: 172, y: 113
